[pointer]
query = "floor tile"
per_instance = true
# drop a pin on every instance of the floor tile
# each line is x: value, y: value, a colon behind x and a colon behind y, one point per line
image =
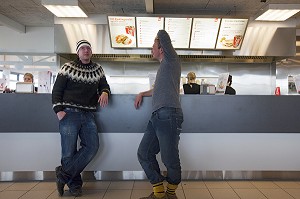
x: 4, y: 185
x: 96, y: 185
x: 197, y: 194
x: 276, y: 194
x: 223, y: 194
x: 241, y: 185
x: 121, y: 185
x: 117, y: 194
x: 44, y: 186
x: 22, y: 186
x: 249, y: 194
x: 55, y: 195
x: 138, y: 193
x: 11, y: 194
x: 42, y: 194
x: 265, y: 185
x: 287, y: 184
x: 92, y: 194
x: 217, y: 185
x: 142, y: 185
x: 294, y: 192
x: 193, y: 185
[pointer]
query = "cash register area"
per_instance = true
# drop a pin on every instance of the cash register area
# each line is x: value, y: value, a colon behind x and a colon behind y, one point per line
x: 137, y: 189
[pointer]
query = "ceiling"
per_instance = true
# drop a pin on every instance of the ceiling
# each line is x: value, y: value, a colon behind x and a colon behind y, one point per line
x: 32, y: 13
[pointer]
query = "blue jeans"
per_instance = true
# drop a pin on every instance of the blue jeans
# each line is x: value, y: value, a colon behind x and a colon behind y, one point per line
x: 162, y: 136
x: 76, y: 124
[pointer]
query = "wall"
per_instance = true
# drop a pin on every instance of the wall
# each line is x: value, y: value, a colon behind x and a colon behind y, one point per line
x: 35, y: 40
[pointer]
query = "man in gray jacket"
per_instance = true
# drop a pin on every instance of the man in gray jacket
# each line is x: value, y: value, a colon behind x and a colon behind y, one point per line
x: 164, y: 127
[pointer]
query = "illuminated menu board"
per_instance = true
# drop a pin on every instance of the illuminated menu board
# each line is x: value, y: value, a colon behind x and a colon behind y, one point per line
x: 147, y: 28
x: 231, y: 33
x: 204, y: 33
x: 179, y: 31
x: 122, y: 31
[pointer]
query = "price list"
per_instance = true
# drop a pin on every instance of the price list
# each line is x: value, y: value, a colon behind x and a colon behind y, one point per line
x: 147, y: 28
x: 204, y: 33
x: 179, y: 31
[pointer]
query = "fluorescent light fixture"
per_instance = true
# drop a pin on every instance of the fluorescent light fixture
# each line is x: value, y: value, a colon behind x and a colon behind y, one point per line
x: 64, y: 8
x: 149, y: 6
x: 277, y: 12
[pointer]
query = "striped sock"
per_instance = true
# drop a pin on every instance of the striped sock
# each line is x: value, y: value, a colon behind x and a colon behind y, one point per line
x: 159, y: 190
x: 171, y: 189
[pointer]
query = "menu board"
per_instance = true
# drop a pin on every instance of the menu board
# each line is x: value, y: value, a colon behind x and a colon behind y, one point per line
x: 179, y: 31
x: 147, y: 28
x: 204, y: 32
x: 185, y: 33
x: 122, y: 31
x: 231, y: 33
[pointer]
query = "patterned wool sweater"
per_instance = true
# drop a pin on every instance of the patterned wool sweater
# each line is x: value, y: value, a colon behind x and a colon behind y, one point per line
x: 79, y: 85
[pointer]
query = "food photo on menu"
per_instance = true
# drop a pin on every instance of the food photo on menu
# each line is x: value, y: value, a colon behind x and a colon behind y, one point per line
x: 127, y: 38
x: 231, y: 42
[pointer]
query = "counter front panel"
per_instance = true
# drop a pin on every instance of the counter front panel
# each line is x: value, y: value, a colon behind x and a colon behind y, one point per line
x: 202, y: 114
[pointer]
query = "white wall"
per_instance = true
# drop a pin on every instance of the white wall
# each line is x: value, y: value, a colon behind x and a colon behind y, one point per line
x: 198, y: 152
x: 35, y: 40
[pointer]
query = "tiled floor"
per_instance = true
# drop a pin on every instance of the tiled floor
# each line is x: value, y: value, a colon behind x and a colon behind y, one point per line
x: 137, y: 189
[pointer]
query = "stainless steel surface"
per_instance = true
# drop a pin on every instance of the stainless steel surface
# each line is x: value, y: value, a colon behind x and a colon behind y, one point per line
x: 32, y: 13
x: 140, y: 175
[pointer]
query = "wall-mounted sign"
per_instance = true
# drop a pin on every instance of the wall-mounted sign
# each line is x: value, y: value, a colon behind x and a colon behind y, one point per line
x: 204, y: 32
x: 122, y: 31
x: 179, y: 31
x: 231, y: 34
x: 185, y: 33
x: 147, y: 28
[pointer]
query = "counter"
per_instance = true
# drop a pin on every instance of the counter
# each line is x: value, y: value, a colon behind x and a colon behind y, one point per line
x: 223, y: 137
x: 202, y: 114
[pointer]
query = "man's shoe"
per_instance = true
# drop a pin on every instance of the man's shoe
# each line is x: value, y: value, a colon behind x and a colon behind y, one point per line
x: 171, y: 196
x: 76, y: 191
x: 59, y: 185
x: 152, y: 196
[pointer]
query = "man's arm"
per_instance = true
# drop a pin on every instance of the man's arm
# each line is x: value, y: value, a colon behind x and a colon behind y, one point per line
x: 139, y: 97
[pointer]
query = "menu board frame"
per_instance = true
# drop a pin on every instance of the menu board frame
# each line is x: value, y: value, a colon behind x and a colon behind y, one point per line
x: 152, y: 37
x: 124, y: 37
x: 217, y: 39
x: 193, y: 32
x: 178, y: 21
x: 231, y: 40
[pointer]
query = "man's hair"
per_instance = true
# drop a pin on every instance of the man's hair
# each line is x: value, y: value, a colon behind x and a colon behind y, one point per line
x: 159, y: 45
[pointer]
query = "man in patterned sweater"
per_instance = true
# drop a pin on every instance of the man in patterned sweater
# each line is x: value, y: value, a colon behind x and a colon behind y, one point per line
x: 79, y: 87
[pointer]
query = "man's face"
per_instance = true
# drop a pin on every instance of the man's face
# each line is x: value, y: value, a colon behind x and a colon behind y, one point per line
x: 85, y: 53
x: 156, y: 50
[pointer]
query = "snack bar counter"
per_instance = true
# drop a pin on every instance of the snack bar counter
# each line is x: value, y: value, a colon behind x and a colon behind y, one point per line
x: 223, y: 137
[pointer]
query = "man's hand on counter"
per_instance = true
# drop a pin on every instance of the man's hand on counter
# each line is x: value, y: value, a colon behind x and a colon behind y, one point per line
x: 139, y: 98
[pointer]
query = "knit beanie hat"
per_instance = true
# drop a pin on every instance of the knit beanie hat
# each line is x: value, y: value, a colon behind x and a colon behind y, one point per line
x: 81, y: 43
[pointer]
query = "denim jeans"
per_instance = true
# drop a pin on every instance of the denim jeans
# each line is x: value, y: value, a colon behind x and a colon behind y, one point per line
x: 76, y: 124
x: 162, y: 136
